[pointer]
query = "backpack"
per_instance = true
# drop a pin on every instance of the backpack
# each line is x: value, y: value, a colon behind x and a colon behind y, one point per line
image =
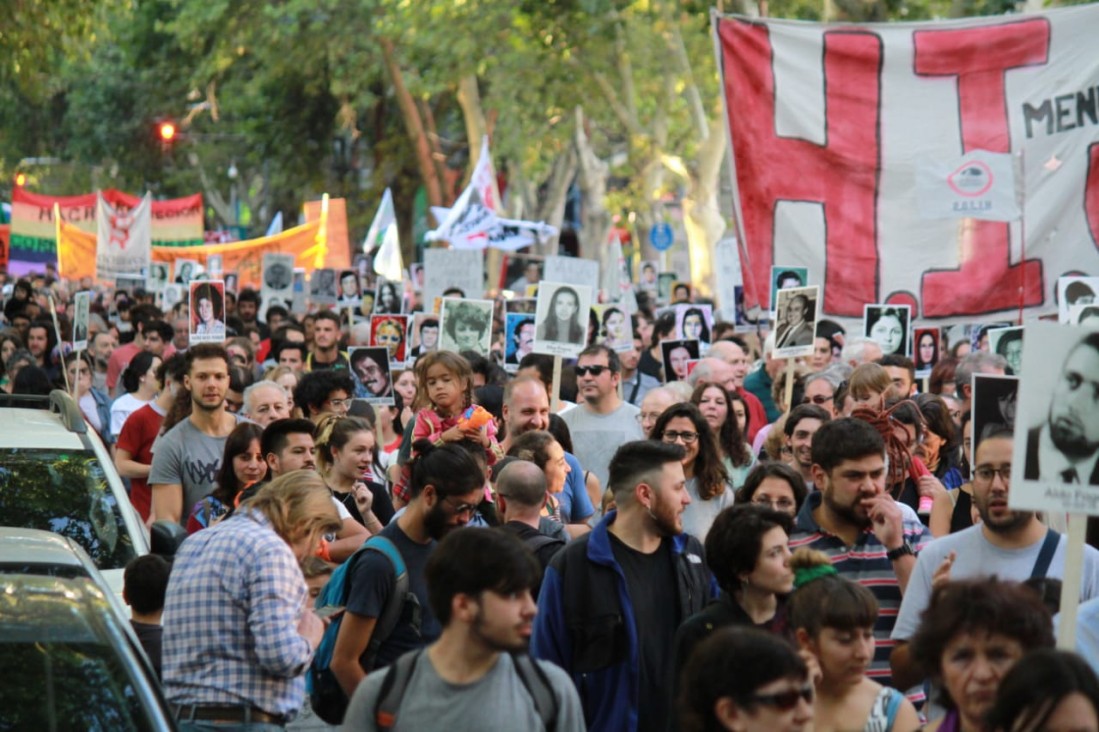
x: 325, y: 694
x: 400, y: 672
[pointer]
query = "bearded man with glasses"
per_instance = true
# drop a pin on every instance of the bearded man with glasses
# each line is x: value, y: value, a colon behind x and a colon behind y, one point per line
x: 1011, y: 544
x: 602, y: 421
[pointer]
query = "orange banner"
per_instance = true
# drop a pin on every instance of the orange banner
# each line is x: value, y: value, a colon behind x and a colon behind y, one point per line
x: 243, y: 258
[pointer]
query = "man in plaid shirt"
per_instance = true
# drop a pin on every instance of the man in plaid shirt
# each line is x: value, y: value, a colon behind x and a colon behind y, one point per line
x: 237, y: 637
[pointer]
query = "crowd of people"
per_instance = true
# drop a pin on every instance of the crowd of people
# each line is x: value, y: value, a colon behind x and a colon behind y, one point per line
x: 643, y: 549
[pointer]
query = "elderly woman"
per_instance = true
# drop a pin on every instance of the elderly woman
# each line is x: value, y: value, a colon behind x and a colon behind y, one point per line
x: 971, y: 635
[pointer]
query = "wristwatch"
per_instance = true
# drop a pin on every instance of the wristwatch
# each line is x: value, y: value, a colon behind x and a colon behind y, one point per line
x: 903, y: 550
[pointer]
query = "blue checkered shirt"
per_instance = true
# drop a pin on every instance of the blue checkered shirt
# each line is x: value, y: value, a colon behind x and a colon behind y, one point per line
x: 234, y: 598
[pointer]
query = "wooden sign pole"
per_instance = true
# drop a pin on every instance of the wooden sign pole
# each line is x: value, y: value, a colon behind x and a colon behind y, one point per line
x: 555, y: 398
x: 789, y: 393
x: 1070, y: 585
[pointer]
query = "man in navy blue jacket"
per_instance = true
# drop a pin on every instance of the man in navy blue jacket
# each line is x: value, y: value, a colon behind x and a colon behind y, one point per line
x: 617, y: 645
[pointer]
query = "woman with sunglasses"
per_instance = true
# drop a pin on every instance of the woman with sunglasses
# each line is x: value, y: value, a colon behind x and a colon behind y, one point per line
x: 707, y: 480
x: 832, y: 620
x: 746, y: 680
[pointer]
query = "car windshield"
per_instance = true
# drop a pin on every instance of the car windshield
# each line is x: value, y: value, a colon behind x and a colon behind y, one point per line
x: 65, y: 668
x: 67, y: 493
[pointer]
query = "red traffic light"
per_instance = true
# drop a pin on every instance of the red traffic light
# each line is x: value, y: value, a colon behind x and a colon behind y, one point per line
x: 166, y: 131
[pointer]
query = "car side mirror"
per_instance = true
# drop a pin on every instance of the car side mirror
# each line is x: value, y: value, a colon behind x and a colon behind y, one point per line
x: 165, y: 538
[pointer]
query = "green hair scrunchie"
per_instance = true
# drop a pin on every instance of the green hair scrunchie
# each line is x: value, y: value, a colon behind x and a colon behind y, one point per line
x: 805, y: 575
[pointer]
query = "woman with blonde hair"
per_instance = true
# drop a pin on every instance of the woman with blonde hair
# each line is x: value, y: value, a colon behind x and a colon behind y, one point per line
x: 298, y: 507
x: 347, y: 452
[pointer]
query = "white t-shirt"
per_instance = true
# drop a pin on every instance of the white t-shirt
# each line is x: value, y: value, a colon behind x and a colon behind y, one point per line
x: 977, y: 557
x: 596, y: 437
x: 122, y: 408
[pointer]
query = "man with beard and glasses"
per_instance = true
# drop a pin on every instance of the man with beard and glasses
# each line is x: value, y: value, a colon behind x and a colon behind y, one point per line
x: 870, y: 538
x: 476, y: 674
x: 1066, y: 448
x: 187, y: 457
x: 446, y: 487
x: 1012, y: 545
x: 611, y: 600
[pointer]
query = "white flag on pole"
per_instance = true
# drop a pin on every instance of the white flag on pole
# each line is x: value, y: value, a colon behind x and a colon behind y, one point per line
x: 124, y: 238
x: 385, y: 216
x: 383, y: 234
x: 275, y: 227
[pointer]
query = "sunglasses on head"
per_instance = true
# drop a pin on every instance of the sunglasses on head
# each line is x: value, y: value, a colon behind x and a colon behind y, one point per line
x: 593, y: 370
x: 785, y: 700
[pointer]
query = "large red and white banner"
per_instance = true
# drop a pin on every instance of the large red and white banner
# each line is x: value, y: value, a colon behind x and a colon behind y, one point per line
x: 953, y: 166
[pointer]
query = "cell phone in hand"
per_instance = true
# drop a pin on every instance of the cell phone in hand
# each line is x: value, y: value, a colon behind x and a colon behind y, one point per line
x: 329, y: 611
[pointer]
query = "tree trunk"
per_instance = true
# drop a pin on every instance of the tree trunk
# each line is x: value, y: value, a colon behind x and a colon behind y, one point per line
x: 701, y: 213
x: 552, y: 206
x: 469, y: 99
x: 413, y: 124
x: 595, y: 220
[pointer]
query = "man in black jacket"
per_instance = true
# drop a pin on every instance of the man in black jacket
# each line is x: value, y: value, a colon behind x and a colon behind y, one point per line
x: 617, y: 645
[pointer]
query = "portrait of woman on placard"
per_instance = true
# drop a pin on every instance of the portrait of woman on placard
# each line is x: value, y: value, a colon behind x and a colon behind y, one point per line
x: 888, y: 326
x: 927, y: 349
x: 389, y: 299
x: 694, y: 327
x: 616, y: 329
x: 389, y: 333
x: 466, y: 326
x: 562, y: 322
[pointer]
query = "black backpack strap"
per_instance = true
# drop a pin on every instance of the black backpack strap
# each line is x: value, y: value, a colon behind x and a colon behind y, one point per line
x: 539, y: 687
x: 1045, y: 554
x: 387, y: 622
x: 393, y: 689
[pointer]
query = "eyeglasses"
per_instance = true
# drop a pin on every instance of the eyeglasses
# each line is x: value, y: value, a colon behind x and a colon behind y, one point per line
x: 779, y: 504
x: 642, y: 417
x: 985, y: 474
x: 817, y: 399
x: 593, y: 370
x: 687, y: 437
x: 785, y: 700
x: 467, y: 508
x: 340, y: 403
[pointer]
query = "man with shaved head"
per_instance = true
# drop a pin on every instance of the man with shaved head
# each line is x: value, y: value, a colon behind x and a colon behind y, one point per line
x: 520, y: 496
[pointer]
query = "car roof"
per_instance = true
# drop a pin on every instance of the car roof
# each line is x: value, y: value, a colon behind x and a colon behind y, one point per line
x: 34, y: 546
x: 37, y: 428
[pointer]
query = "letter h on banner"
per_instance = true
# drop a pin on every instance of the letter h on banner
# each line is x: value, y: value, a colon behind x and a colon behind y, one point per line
x: 841, y: 174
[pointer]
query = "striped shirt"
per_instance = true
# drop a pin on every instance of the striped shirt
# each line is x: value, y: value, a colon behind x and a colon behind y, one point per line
x: 864, y: 562
x: 231, y: 613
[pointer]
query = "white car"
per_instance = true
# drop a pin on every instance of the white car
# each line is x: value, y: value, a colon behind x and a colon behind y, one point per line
x: 56, y: 475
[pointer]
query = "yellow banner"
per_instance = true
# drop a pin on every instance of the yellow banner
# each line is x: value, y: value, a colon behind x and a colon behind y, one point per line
x: 243, y: 258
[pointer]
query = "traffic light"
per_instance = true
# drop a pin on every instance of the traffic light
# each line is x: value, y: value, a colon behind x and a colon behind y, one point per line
x: 20, y: 179
x: 167, y: 131
x: 167, y: 134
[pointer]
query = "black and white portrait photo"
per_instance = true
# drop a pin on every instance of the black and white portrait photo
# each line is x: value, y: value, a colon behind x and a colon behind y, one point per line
x: 424, y: 336
x: 322, y: 287
x: 561, y: 318
x: 1075, y: 291
x: 388, y: 300
x: 158, y: 277
x: 1057, y: 437
x: 81, y: 309
x: 888, y: 326
x: 995, y: 404
x: 466, y: 325
x: 1008, y: 342
x: 677, y: 358
x: 796, y: 321
x: 186, y: 270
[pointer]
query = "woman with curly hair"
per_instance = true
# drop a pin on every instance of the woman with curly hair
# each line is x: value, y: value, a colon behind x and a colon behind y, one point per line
x: 707, y: 480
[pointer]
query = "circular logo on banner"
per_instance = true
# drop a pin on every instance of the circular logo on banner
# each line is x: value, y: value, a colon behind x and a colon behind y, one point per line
x: 972, y: 179
x: 661, y: 237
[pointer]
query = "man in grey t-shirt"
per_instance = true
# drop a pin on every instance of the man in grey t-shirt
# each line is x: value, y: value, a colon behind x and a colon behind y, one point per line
x: 601, y: 422
x: 187, y: 457
x: 479, y: 583
x: 1006, y: 543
